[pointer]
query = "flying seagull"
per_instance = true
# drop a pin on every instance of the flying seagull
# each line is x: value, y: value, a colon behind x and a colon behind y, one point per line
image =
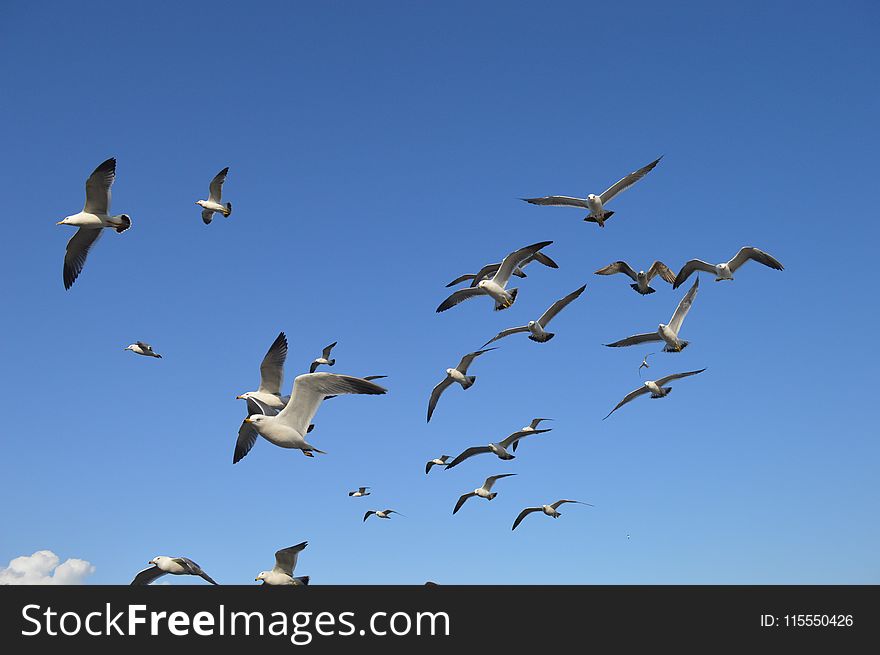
x: 641, y: 280
x: 725, y: 270
x: 500, y: 449
x: 213, y: 204
x: 289, y: 427
x: 596, y: 204
x: 437, y: 461
x: 483, y: 492
x: 654, y: 387
x: 141, y: 348
x: 361, y: 491
x: 323, y: 359
x: 490, y: 269
x: 667, y: 333
x: 271, y: 376
x: 531, y: 427
x: 645, y: 363
x: 496, y: 286
x: 549, y: 510
x: 382, y: 514
x: 457, y: 374
x: 536, y: 328
x: 282, y: 572
x: 94, y: 216
x: 173, y: 565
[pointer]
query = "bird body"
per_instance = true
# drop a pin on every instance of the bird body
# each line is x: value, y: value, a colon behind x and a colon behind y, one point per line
x: 453, y: 375
x: 725, y: 270
x: 141, y: 348
x: 437, y: 461
x: 641, y: 279
x: 654, y: 387
x: 501, y: 448
x: 173, y: 565
x: 213, y: 204
x: 484, y: 491
x: 282, y: 573
x: 382, y: 514
x: 361, y: 491
x: 536, y: 328
x: 549, y: 510
x: 323, y: 359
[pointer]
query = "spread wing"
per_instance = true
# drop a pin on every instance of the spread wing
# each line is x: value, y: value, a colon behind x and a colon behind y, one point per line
x: 516, y: 436
x: 676, y: 376
x: 748, y: 252
x: 558, y: 201
x: 486, y: 272
x: 367, y: 515
x: 628, y: 397
x: 272, y: 366
x: 77, y: 250
x: 285, y: 559
x: 558, y: 306
x: 98, y: 188
x: 683, y: 307
x: 461, y: 501
x: 541, y: 258
x: 661, y: 269
x: 513, y: 260
x: 469, y: 358
x: 635, y: 339
x: 461, y: 278
x: 628, y: 181
x: 435, y: 396
x: 490, y: 481
x: 216, y: 187
x: 618, y: 267
x: 310, y: 389
x: 562, y: 502
x: 690, y: 267
x: 459, y: 296
x: 469, y: 452
x: 507, y: 333
x: 431, y: 464
x: 326, y: 352
x: 523, y: 514
x: 147, y: 575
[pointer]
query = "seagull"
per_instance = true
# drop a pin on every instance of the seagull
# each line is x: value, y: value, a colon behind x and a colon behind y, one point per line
x: 654, y: 387
x: 288, y: 428
x: 496, y: 286
x: 489, y: 270
x: 531, y: 427
x: 437, y: 461
x: 499, y: 449
x: 141, y: 348
x: 641, y: 280
x: 645, y: 363
x: 91, y: 219
x: 457, y: 374
x: 483, y: 492
x: 596, y: 204
x: 271, y: 376
x: 324, y: 358
x: 549, y: 510
x: 536, y: 328
x: 725, y: 270
x: 667, y: 333
x: 173, y: 565
x: 213, y: 204
x: 362, y: 491
x: 382, y: 514
x: 282, y: 572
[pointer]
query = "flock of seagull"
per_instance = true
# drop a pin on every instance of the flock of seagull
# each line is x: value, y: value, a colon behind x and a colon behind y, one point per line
x: 286, y: 420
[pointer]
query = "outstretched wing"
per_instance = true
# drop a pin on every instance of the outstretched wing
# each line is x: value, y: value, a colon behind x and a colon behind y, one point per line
x: 690, y: 267
x: 676, y: 376
x: 147, y: 575
x: 367, y: 515
x: 618, y: 267
x: 507, y: 442
x: 628, y: 181
x: 444, y: 384
x: 683, y: 307
x: 459, y: 296
x: 77, y: 250
x: 635, y: 339
x: 748, y: 252
x: 558, y: 306
x: 98, y: 188
x: 628, y: 397
x: 461, y: 501
x: 541, y: 258
x: 285, y: 559
x: 557, y: 201
x: 469, y: 358
x: 461, y: 278
x: 562, y: 502
x: 326, y: 352
x: 490, y: 481
x: 216, y: 187
x: 272, y: 366
x: 507, y: 333
x: 661, y: 269
x: 469, y: 452
x: 523, y: 514
x: 513, y: 260
x: 486, y: 272
x: 310, y: 389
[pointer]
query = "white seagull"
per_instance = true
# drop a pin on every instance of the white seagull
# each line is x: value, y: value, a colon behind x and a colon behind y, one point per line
x: 213, y: 204
x: 549, y: 510
x: 531, y: 427
x: 644, y: 363
x: 641, y: 280
x: 725, y: 270
x: 282, y: 572
x: 437, y: 461
x: 324, y: 358
x: 667, y: 333
x: 500, y: 448
x: 173, y: 565
x: 496, y: 286
x: 654, y: 387
x: 382, y: 514
x: 289, y: 427
x: 457, y: 374
x: 483, y: 492
x: 271, y: 376
x: 141, y: 348
x: 361, y: 491
x: 94, y: 216
x: 489, y: 270
x: 596, y: 204
x: 536, y: 328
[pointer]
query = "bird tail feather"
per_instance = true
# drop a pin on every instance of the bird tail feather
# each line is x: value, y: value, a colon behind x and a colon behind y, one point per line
x: 126, y: 223
x: 543, y: 339
x: 647, y: 291
x: 469, y: 381
x: 228, y: 209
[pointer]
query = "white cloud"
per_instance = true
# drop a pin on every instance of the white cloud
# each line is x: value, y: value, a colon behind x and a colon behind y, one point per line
x: 43, y: 568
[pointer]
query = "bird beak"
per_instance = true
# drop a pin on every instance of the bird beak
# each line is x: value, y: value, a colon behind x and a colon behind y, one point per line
x: 248, y: 420
x: 256, y: 579
x: 239, y: 397
x: 60, y: 223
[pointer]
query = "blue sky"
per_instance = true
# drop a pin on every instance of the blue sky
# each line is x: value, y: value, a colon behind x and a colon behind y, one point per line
x: 376, y: 151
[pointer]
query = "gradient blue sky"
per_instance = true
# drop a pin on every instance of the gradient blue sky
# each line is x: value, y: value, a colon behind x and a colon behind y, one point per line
x: 376, y: 151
